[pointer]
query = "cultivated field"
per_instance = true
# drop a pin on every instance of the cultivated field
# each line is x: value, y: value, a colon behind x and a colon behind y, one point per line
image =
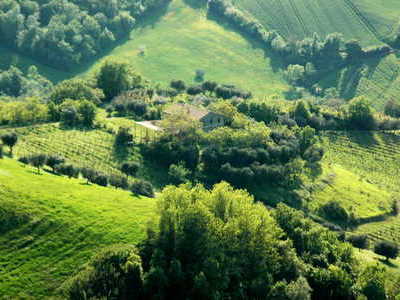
x: 302, y: 18
x: 52, y: 225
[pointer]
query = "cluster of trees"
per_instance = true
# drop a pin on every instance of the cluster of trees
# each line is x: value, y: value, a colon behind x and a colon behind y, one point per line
x: 22, y: 112
x: 357, y: 114
x: 219, y: 244
x: 245, y: 158
x: 64, y: 33
x: 222, y: 91
x: 59, y: 166
x: 15, y: 83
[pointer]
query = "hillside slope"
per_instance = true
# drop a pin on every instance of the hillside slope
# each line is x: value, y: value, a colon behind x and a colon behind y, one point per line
x: 183, y: 39
x: 52, y: 225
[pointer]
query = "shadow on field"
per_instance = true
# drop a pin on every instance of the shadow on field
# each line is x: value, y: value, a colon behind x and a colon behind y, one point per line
x: 362, y: 138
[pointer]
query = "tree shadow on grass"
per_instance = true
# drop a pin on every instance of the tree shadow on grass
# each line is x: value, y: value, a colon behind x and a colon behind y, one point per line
x: 387, y: 263
x: 362, y: 138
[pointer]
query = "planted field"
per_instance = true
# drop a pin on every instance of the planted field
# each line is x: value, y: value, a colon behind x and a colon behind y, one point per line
x: 357, y: 196
x: 297, y: 19
x: 181, y: 40
x: 388, y: 230
x: 375, y: 157
x: 381, y: 81
x: 52, y: 225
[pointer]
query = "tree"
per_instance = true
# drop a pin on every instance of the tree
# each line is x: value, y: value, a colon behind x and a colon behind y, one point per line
x: 115, y: 77
x: 87, y: 111
x: 142, y: 187
x: 178, y: 85
x: 124, y: 137
x: 114, y: 273
x: 10, y: 140
x: 200, y: 75
x: 118, y: 181
x: 392, y: 109
x: 387, y: 249
x: 38, y: 161
x: 360, y: 114
x: 130, y: 168
x: 76, y: 89
x: 54, y: 160
x: 68, y: 170
x: 89, y: 174
x: 178, y: 173
x: 1, y: 151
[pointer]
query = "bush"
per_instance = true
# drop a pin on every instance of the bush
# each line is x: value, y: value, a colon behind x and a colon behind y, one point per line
x: 68, y: 170
x: 359, y: 241
x: 118, y: 181
x: 335, y: 212
x: 142, y: 187
x: 54, y: 160
x: 1, y: 151
x: 178, y: 173
x: 38, y: 161
x: 24, y: 160
x: 387, y: 249
x: 130, y: 168
x: 88, y: 174
x: 101, y: 179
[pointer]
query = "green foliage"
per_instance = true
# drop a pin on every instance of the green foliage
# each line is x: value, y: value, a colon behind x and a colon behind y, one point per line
x: 142, y: 187
x: 115, y: 272
x: 115, y: 77
x: 26, y: 111
x: 10, y: 140
x: 360, y: 114
x: 387, y: 249
x: 75, y: 113
x: 371, y: 283
x: 178, y: 173
x: 76, y: 89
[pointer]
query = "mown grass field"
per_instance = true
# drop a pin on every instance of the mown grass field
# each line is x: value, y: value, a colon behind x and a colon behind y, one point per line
x: 182, y: 40
x: 299, y: 19
x: 52, y: 225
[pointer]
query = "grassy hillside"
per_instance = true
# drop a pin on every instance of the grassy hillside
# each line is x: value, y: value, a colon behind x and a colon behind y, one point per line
x: 375, y: 158
x: 182, y: 40
x: 52, y: 225
x: 356, y: 195
x: 300, y: 19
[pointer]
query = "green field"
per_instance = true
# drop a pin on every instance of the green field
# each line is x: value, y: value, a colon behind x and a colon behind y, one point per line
x: 88, y: 148
x: 374, y: 158
x: 302, y: 18
x: 52, y: 225
x: 357, y: 196
x: 183, y: 40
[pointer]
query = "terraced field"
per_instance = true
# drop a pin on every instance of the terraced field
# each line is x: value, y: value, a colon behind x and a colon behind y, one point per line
x: 297, y: 19
x: 386, y: 230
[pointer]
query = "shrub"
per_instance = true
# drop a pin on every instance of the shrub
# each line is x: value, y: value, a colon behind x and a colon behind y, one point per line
x: 334, y: 211
x: 24, y: 160
x: 68, y: 170
x: 1, y: 151
x: 10, y: 140
x: 101, y: 179
x: 142, y: 187
x: 359, y: 241
x: 118, y: 181
x: 387, y: 249
x: 88, y: 174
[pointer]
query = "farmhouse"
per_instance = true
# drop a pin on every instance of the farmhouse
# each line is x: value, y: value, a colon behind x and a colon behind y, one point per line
x: 208, y: 119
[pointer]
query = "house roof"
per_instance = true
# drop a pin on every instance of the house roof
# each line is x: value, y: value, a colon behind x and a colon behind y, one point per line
x: 195, y: 112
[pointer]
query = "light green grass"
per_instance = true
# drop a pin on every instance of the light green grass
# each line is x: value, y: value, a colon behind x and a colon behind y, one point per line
x: 385, y: 230
x: 357, y: 196
x: 184, y: 40
x: 57, y: 225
